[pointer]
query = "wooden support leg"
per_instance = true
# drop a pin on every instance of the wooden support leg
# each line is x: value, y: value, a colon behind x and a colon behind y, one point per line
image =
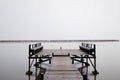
x: 87, y: 66
x: 95, y: 72
x: 42, y: 76
x: 29, y: 72
x: 53, y: 54
x: 85, y: 77
x: 50, y: 61
x: 82, y: 63
x: 72, y: 61
x: 36, y: 66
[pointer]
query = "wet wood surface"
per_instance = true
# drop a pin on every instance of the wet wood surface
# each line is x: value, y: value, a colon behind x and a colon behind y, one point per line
x: 61, y: 52
x: 62, y: 68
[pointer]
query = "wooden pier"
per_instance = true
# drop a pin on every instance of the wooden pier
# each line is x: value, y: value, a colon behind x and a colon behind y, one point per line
x: 62, y: 69
x: 60, y: 62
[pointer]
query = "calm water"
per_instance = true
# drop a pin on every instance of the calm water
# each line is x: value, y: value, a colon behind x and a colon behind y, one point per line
x: 14, y: 60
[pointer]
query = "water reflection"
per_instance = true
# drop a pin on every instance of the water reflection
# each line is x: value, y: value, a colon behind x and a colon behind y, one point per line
x: 39, y: 74
x: 14, y: 60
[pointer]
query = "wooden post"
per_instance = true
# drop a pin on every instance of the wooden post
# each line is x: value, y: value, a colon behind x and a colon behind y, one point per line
x: 29, y: 72
x: 82, y: 63
x: 36, y: 66
x: 52, y: 54
x: 95, y: 71
x: 42, y: 76
x: 72, y: 61
x: 87, y: 65
x: 85, y: 77
x: 50, y: 61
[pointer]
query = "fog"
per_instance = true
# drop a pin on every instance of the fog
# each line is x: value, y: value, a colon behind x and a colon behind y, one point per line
x: 59, y: 19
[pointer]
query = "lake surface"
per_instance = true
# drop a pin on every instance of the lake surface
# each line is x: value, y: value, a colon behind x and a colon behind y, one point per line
x: 14, y: 59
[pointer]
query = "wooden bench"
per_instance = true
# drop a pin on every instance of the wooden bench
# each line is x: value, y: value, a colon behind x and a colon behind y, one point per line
x: 88, y: 49
x: 34, y: 50
x: 90, y: 53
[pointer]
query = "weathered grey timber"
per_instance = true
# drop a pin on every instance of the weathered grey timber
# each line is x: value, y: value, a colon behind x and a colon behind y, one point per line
x: 58, y: 62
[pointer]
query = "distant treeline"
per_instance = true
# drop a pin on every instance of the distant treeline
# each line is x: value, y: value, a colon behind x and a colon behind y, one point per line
x: 112, y: 40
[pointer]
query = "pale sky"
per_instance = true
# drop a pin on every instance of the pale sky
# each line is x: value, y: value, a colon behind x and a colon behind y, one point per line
x: 59, y: 19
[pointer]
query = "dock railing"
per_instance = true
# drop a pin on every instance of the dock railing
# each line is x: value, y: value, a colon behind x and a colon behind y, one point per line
x: 36, y: 58
x: 90, y: 53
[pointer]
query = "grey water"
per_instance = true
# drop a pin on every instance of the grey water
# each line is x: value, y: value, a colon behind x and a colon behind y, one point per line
x: 14, y: 59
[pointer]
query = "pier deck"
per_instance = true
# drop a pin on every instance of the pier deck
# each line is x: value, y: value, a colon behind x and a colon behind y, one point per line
x: 62, y: 69
x: 62, y: 52
x: 61, y: 62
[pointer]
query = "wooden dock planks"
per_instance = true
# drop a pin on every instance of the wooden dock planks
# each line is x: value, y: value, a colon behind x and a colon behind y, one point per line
x: 61, y: 52
x: 62, y: 69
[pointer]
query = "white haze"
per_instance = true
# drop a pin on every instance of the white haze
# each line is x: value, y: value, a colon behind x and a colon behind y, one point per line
x: 59, y: 19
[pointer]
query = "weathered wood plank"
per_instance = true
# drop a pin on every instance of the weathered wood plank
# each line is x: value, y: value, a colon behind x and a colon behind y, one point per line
x: 62, y: 69
x: 61, y: 52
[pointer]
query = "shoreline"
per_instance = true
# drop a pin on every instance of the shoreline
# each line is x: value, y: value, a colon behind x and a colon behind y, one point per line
x: 107, y: 40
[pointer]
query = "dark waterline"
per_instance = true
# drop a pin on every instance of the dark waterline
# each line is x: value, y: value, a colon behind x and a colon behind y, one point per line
x: 106, y: 40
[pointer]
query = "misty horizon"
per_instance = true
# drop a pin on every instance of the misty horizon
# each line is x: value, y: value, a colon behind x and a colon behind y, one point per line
x: 59, y: 19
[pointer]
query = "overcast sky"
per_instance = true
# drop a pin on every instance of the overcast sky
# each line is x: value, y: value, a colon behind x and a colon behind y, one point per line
x: 59, y: 19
